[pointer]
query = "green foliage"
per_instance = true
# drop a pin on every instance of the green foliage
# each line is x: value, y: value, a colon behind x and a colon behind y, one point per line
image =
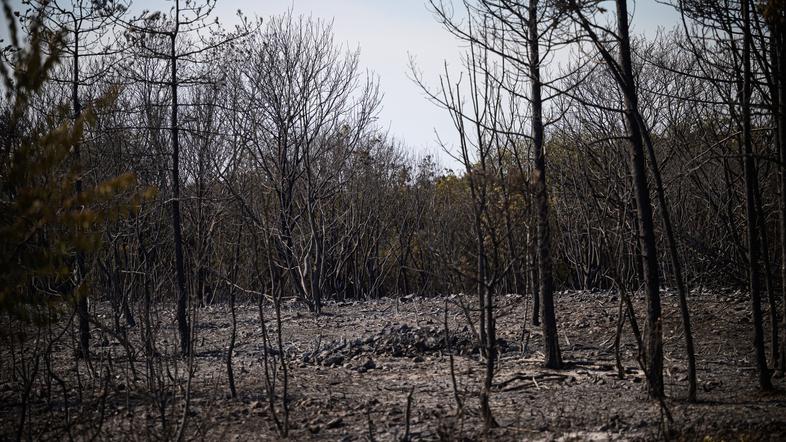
x: 44, y: 222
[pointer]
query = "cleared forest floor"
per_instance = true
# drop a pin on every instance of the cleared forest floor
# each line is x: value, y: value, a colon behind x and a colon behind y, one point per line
x: 352, y: 369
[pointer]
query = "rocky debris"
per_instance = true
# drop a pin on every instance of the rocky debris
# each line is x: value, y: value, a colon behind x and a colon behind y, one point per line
x: 333, y: 359
x: 395, y: 340
x: 369, y: 364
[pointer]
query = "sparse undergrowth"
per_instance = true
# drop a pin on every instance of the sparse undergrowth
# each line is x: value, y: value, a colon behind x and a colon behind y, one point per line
x: 352, y: 369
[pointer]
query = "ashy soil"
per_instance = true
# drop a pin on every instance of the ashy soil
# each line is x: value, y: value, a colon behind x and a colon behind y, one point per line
x: 358, y: 370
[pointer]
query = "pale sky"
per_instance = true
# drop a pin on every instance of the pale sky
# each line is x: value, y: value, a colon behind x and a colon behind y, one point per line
x: 388, y: 32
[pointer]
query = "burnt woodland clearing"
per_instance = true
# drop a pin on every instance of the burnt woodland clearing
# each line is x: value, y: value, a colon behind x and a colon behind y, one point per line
x: 207, y: 232
x: 352, y: 369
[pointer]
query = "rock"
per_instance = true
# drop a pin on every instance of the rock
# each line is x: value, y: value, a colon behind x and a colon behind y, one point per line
x: 334, y: 359
x: 397, y: 340
x: 369, y: 364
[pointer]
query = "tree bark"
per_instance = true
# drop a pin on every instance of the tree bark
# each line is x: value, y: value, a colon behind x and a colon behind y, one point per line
x: 82, y: 301
x: 182, y: 294
x: 233, y: 333
x: 754, y: 270
x: 781, y: 138
x: 534, y: 285
x: 654, y: 340
x: 553, y: 358
x: 676, y: 265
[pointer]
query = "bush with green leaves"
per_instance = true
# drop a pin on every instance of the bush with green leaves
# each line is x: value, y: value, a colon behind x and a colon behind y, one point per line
x: 44, y: 222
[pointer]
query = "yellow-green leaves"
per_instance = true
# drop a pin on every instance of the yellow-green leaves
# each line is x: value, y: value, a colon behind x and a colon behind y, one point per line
x: 44, y: 222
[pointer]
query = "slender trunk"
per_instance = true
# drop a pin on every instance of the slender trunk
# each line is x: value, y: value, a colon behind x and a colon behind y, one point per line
x: 201, y: 274
x: 654, y: 341
x: 283, y: 360
x: 81, y: 302
x: 769, y: 284
x: 675, y: 261
x: 775, y: 86
x: 403, y: 277
x: 515, y: 279
x: 453, y: 381
x: 233, y: 333
x: 534, y: 285
x: 316, y: 263
x: 618, y: 337
x: 121, y: 291
x: 781, y: 137
x: 553, y: 358
x: 269, y: 369
x: 182, y: 294
x: 148, y: 328
x: 754, y: 269
x: 487, y: 327
x: 285, y: 245
x: 778, y: 96
x: 481, y: 285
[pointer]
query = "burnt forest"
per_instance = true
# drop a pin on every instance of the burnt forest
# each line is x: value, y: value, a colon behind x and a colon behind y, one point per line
x: 368, y: 220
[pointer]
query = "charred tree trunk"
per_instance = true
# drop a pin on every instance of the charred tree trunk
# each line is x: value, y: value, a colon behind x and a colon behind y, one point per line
x: 233, y: 333
x: 534, y: 285
x: 180, y: 276
x: 781, y: 138
x: 551, y: 350
x: 654, y: 340
x: 674, y: 257
x: 754, y: 270
x: 487, y: 323
x: 81, y: 301
x: 776, y: 23
x: 769, y: 283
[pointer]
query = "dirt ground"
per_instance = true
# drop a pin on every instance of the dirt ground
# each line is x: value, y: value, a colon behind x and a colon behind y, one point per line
x: 352, y: 370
